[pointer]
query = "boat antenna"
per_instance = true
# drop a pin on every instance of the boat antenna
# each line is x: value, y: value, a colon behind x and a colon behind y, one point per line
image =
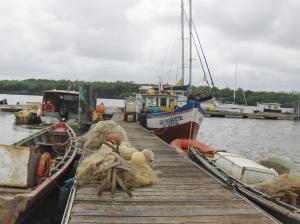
x: 182, y: 41
x: 190, y: 39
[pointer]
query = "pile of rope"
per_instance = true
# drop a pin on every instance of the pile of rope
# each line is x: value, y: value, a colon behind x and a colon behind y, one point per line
x: 95, y: 137
x: 115, y: 162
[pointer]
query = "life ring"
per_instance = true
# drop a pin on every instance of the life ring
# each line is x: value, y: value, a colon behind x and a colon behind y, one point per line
x: 49, y: 107
x: 43, y: 167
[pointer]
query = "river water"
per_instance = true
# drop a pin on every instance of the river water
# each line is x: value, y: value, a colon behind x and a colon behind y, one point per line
x: 254, y: 139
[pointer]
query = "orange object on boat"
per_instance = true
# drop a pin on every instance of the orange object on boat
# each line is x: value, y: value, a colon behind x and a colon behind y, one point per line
x: 100, y: 108
x: 43, y: 167
x: 182, y: 146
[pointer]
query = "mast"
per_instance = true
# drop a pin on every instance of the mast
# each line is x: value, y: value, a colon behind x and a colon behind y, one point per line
x: 234, y: 90
x: 182, y: 41
x: 190, y: 38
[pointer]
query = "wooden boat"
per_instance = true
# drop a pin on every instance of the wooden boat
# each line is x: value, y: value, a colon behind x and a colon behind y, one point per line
x: 32, y: 167
x: 240, y: 174
x: 169, y: 115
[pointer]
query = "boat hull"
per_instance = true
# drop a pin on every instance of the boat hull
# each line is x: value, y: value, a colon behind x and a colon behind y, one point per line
x: 187, y: 130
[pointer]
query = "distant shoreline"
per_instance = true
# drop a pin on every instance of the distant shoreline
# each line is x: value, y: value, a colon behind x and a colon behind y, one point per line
x: 121, y: 89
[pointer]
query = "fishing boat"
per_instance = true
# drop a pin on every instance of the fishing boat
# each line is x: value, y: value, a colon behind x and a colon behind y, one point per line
x: 27, y: 117
x: 31, y: 168
x: 60, y: 105
x: 171, y: 111
x: 169, y: 115
x: 243, y: 176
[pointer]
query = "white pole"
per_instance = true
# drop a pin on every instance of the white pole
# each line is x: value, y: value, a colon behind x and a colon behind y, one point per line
x: 182, y: 41
x: 235, y: 76
x: 190, y: 29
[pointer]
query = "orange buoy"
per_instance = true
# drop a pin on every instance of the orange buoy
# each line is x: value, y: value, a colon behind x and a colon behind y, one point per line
x: 49, y: 107
x: 182, y: 146
x: 100, y: 108
x: 43, y: 167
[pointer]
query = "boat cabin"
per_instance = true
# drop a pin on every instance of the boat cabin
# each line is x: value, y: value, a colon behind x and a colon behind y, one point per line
x: 152, y: 100
x: 60, y: 104
x: 269, y: 107
x: 155, y: 103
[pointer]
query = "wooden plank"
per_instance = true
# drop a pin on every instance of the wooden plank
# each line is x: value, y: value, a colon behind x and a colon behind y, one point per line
x: 226, y: 219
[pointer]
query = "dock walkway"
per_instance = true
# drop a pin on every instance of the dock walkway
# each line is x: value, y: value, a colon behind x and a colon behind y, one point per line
x: 185, y: 194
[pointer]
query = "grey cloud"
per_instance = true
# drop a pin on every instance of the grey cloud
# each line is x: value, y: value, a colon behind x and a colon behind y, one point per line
x: 138, y: 40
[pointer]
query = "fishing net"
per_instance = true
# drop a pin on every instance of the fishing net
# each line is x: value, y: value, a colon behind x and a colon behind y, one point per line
x: 149, y: 155
x: 140, y: 175
x: 282, y: 183
x: 95, y: 137
x: 134, y: 170
x: 87, y: 171
x: 126, y: 150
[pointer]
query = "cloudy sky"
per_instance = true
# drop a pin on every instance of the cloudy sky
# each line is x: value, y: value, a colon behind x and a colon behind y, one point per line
x: 139, y: 40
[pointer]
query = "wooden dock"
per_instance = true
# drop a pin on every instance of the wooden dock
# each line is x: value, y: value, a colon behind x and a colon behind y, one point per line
x: 259, y: 115
x: 185, y: 194
x: 17, y: 107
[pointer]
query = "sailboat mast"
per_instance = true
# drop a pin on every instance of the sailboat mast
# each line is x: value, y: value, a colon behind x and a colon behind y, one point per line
x: 235, y: 77
x: 182, y: 41
x: 190, y: 38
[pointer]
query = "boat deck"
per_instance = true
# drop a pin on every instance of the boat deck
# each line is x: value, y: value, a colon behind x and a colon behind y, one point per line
x: 185, y: 194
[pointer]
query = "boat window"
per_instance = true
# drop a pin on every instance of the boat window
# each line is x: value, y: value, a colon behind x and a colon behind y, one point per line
x: 163, y: 102
x: 70, y: 97
x: 152, y: 101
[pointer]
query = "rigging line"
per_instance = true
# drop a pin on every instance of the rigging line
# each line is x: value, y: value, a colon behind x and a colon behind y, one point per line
x: 212, y: 81
x: 198, y: 53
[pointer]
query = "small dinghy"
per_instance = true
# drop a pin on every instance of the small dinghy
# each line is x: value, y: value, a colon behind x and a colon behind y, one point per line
x: 244, y: 176
x: 32, y: 167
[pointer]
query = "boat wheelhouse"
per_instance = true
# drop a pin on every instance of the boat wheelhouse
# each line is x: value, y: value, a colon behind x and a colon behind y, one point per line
x: 60, y: 105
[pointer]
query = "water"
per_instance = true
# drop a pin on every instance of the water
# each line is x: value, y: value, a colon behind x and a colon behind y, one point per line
x: 255, y: 139
x: 22, y: 99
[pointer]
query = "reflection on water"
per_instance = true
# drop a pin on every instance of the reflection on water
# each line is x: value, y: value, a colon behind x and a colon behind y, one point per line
x: 255, y: 139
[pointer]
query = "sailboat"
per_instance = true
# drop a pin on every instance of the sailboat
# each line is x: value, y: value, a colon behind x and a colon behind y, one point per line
x: 166, y: 110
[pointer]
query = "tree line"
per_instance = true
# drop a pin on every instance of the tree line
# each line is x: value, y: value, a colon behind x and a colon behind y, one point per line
x: 120, y: 90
